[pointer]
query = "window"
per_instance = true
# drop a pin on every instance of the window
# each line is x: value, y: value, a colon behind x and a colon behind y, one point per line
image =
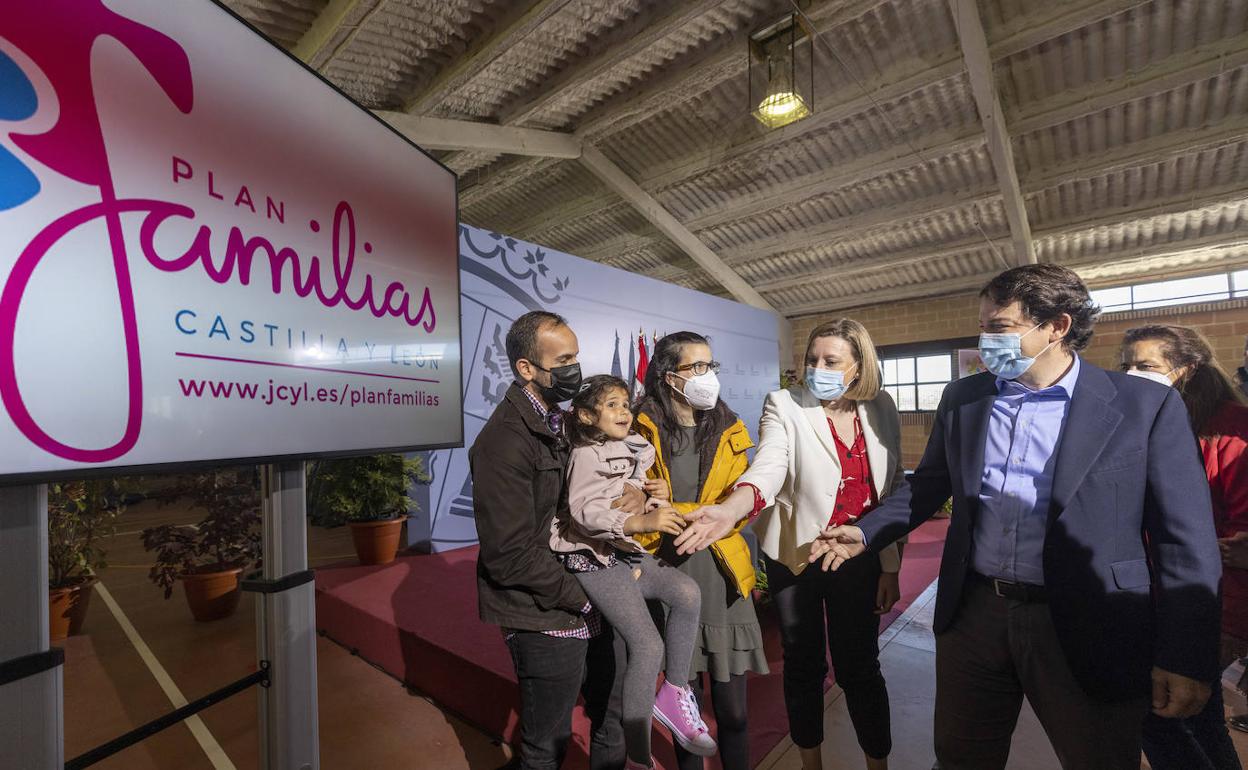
x: 1181, y: 291
x: 916, y: 383
x: 1113, y: 300
x: 1239, y: 283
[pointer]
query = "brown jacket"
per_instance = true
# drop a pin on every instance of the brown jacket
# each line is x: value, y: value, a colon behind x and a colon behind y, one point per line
x: 518, y: 483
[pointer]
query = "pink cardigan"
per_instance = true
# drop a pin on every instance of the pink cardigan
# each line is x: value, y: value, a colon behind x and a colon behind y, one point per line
x: 596, y: 477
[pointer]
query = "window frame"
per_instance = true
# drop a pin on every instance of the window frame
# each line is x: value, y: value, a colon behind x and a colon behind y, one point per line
x: 914, y: 351
x: 1232, y: 291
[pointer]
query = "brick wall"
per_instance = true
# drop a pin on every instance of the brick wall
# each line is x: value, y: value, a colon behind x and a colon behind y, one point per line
x: 1224, y: 323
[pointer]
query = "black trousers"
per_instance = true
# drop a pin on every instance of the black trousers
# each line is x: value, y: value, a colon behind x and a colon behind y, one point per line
x: 999, y: 651
x: 552, y: 672
x: 826, y: 614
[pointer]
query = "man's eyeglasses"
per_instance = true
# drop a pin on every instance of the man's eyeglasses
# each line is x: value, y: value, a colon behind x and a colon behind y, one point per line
x: 700, y: 368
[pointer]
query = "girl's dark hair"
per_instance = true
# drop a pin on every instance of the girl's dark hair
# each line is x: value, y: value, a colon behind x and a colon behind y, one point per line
x: 660, y: 396
x: 593, y: 391
x: 1206, y: 385
x: 1045, y: 292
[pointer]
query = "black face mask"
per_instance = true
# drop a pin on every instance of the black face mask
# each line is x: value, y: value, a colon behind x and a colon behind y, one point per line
x: 566, y: 382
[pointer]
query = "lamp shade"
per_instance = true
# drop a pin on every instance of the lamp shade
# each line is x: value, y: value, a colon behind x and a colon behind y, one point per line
x: 774, y: 73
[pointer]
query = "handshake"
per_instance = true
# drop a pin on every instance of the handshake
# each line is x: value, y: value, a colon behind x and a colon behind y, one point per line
x: 837, y: 545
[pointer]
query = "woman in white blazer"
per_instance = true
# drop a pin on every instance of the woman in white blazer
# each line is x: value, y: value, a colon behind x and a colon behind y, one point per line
x: 828, y: 452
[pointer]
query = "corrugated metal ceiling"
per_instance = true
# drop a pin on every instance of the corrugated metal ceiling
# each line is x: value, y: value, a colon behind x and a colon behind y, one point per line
x: 1128, y: 121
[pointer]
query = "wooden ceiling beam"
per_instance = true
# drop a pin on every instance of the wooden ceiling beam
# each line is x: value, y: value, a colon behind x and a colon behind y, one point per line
x: 1226, y: 195
x: 974, y: 44
x: 1060, y: 18
x: 519, y: 21
x: 680, y: 85
x: 1210, y: 245
x: 577, y: 74
x: 1128, y: 156
x: 1167, y: 74
x: 324, y: 39
x: 615, y: 178
x: 440, y: 134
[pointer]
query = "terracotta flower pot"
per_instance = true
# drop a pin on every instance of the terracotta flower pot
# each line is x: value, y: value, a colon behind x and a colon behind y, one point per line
x: 67, y: 608
x: 212, y: 593
x: 377, y: 542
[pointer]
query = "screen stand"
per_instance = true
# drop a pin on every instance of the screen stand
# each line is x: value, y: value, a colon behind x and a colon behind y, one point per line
x: 31, y: 727
x: 286, y: 625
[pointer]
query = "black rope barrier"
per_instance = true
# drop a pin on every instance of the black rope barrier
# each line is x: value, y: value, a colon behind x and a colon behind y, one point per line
x: 104, y: 751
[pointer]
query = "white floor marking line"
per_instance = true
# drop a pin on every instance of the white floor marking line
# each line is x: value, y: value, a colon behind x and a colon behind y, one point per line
x: 918, y: 605
x: 216, y: 755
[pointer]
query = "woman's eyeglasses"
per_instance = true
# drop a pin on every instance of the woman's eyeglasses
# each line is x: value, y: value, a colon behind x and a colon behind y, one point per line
x: 700, y: 368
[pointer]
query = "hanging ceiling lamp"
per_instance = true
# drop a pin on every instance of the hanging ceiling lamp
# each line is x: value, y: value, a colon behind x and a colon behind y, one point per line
x: 782, y: 72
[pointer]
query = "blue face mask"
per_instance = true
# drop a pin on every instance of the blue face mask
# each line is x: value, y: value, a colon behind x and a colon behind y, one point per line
x: 825, y: 384
x: 1002, y: 354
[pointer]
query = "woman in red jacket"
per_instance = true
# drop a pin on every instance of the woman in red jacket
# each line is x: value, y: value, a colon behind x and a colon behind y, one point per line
x: 1180, y: 357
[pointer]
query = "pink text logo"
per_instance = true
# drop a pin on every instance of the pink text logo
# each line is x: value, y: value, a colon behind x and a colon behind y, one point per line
x: 58, y: 35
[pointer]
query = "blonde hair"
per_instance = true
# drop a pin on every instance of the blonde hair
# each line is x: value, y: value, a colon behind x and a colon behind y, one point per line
x: 866, y: 385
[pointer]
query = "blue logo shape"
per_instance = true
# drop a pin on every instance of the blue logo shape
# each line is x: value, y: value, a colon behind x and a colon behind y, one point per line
x: 17, y: 102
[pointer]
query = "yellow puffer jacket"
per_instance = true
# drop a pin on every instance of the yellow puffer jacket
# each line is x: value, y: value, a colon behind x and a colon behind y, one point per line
x: 731, y: 552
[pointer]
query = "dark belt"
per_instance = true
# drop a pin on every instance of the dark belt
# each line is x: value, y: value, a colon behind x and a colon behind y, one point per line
x: 1023, y: 592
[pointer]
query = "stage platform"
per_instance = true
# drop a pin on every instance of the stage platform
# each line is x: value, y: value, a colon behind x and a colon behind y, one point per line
x: 416, y: 619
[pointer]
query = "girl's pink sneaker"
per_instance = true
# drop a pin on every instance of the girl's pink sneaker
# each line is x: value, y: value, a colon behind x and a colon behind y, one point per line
x: 676, y: 708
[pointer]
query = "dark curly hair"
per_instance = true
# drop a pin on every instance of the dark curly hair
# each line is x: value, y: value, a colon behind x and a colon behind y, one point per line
x: 593, y: 391
x: 659, y: 395
x: 1205, y: 386
x: 1046, y: 292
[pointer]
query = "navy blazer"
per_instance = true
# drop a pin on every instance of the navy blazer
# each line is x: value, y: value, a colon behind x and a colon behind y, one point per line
x: 1131, y: 563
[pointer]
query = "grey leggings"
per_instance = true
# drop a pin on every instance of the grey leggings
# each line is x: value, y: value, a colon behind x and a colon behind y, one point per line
x: 622, y: 600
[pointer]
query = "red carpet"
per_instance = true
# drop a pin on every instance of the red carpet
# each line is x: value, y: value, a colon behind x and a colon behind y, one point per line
x: 416, y: 619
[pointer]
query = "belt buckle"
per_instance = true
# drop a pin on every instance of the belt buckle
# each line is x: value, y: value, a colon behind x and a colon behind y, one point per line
x: 996, y: 587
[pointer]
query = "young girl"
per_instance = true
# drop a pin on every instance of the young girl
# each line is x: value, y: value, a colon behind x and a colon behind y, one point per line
x: 594, y: 541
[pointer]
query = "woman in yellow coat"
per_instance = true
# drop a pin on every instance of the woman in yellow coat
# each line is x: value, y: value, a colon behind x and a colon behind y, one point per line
x: 701, y: 447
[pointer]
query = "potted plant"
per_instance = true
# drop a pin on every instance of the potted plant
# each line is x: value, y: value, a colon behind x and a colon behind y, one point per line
x: 369, y: 494
x: 208, y: 557
x: 80, y: 515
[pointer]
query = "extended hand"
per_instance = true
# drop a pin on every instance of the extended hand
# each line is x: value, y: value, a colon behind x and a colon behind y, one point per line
x: 712, y: 522
x: 887, y: 593
x: 1176, y: 696
x: 837, y: 545
x: 665, y: 519
x: 632, y: 502
x: 1234, y: 550
x: 657, y: 488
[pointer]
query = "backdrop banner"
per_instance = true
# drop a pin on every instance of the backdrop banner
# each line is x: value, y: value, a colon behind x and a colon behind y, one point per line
x: 207, y: 253
x: 503, y: 278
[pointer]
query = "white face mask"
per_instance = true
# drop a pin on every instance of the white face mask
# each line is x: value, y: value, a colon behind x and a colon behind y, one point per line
x: 701, y: 391
x: 1157, y: 377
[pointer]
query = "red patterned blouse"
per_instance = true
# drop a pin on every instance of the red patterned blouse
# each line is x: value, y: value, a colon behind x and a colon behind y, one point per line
x: 856, y: 496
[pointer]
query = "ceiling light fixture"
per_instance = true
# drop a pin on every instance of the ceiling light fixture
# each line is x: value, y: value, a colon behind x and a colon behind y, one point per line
x: 782, y: 71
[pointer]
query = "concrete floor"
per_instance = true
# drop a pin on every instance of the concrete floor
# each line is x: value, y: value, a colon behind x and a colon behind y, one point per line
x: 139, y: 656
x: 908, y: 655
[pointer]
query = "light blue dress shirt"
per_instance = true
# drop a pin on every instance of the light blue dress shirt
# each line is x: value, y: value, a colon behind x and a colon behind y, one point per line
x: 1024, y: 435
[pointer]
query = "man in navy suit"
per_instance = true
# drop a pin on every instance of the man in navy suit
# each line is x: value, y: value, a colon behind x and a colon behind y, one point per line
x: 1081, y: 567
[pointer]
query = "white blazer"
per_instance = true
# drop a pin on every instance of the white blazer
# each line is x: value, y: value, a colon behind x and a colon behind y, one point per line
x: 798, y: 472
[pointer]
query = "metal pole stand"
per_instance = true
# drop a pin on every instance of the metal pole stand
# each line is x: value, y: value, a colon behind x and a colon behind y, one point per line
x: 286, y: 625
x: 31, y: 713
